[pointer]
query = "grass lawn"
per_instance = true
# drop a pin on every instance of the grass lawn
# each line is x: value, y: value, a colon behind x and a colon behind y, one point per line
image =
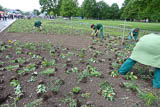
x: 82, y: 27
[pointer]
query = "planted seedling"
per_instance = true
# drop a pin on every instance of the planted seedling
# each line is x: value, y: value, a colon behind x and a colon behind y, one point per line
x: 115, y: 65
x: 35, y: 103
x: 47, y: 63
x: 107, y: 91
x: 1, y: 63
x: 75, y: 70
x: 92, y: 60
x: 10, y: 67
x: 148, y: 97
x: 114, y: 74
x: 76, y: 90
x: 55, y: 87
x: 30, y: 67
x: 32, y: 79
x: 14, y: 83
x: 36, y: 56
x: 131, y: 76
x: 20, y: 71
x: 48, y: 72
x: 83, y: 76
x: 70, y: 101
x: 85, y: 95
x: 41, y: 88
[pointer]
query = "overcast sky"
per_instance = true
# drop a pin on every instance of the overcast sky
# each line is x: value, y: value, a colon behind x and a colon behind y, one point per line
x: 29, y: 5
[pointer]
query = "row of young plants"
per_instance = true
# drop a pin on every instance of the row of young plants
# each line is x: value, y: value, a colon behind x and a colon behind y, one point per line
x: 33, y: 60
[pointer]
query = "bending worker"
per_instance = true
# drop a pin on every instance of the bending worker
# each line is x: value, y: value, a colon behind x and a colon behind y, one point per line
x: 97, y: 29
x: 133, y: 35
x: 38, y: 24
x: 146, y: 52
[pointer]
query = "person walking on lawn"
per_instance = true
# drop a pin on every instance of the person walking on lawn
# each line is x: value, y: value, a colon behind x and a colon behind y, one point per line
x: 96, y: 29
x: 38, y: 24
x: 146, y: 52
x: 133, y: 34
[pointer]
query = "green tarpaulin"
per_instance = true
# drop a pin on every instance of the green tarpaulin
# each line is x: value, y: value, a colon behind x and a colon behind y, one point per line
x: 147, y: 50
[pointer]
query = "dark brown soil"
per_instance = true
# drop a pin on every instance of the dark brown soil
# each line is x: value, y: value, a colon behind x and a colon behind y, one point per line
x: 124, y: 97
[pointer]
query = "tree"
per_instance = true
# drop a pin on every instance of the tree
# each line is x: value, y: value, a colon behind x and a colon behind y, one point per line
x: 103, y: 10
x: 36, y: 12
x: 50, y: 5
x: 141, y: 9
x: 69, y: 8
x: 115, y: 12
x: 1, y: 8
x: 89, y: 8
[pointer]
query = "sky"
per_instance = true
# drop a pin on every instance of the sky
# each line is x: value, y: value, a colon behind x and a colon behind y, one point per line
x: 30, y: 5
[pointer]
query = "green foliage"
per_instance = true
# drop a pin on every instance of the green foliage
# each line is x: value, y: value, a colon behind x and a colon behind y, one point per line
x: 10, y: 67
x: 131, y: 76
x: 18, y: 90
x: 76, y: 90
x: 70, y: 101
x: 83, y: 75
x: 30, y: 67
x: 141, y: 9
x: 1, y: 8
x: 55, y: 87
x: 32, y: 79
x: 41, y: 88
x: 34, y: 103
x: 47, y: 63
x: 114, y: 74
x: 89, y: 8
x: 149, y: 98
x: 48, y: 6
x: 85, y: 95
x: 75, y: 70
x: 107, y: 91
x: 68, y: 8
x: 36, y: 12
x: 48, y: 71
x: 14, y: 83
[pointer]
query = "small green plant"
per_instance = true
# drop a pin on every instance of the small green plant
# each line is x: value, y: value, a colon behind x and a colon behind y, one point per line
x: 36, y: 56
x: 14, y: 83
x: 76, y: 90
x: 92, y: 60
x: 1, y: 63
x: 83, y: 75
x: 107, y: 91
x: 82, y: 53
x: 32, y: 79
x: 85, y: 95
x: 20, y: 72
x: 62, y: 55
x: 48, y: 71
x: 149, y: 98
x: 131, y: 76
x: 114, y: 74
x: 75, y: 69
x: 55, y: 87
x: 18, y: 90
x: 10, y: 67
x: 41, y: 88
x: 30, y: 67
x: 46, y: 63
x: 34, y: 103
x: 115, y: 65
x: 70, y: 101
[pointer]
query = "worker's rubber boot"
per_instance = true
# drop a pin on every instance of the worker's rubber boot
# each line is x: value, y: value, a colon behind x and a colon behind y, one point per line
x: 101, y: 32
x: 156, y: 79
x: 126, y: 66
